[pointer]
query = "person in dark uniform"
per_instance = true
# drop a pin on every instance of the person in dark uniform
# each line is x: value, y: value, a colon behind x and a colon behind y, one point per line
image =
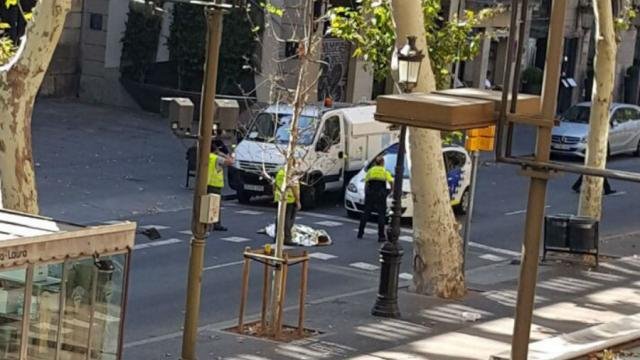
x: 375, y: 196
x: 607, y: 188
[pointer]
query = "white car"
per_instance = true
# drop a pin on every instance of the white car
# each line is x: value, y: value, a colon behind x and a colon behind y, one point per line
x: 458, y: 166
x: 570, y: 137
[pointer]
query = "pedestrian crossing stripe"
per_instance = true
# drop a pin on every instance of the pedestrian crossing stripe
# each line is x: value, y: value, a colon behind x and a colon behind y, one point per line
x: 329, y: 223
x: 364, y: 266
x: 235, y: 239
x: 407, y: 238
x: 185, y: 232
x: 406, y: 276
x: 156, y: 244
x: 322, y: 256
x: 492, y: 257
x: 249, y: 212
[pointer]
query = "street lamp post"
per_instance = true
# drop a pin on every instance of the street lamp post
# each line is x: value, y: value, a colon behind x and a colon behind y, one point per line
x: 213, y: 11
x: 386, y: 305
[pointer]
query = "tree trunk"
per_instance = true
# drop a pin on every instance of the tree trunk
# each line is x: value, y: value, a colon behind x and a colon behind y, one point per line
x: 604, y: 76
x: 18, y: 89
x: 437, y: 252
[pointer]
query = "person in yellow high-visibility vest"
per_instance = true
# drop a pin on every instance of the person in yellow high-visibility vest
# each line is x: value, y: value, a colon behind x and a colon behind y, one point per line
x: 292, y: 199
x: 375, y: 196
x: 215, y: 181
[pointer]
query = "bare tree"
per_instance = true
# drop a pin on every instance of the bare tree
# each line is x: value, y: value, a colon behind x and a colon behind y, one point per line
x: 19, y: 84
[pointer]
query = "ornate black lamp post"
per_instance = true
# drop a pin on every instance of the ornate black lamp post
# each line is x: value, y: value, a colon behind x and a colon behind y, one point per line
x: 409, y: 61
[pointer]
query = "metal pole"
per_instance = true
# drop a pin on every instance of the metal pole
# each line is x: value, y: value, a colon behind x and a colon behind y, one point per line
x: 391, y: 252
x: 199, y: 230
x: 472, y: 195
x: 538, y: 189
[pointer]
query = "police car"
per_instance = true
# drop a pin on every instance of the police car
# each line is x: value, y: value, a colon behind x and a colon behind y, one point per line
x: 458, y: 165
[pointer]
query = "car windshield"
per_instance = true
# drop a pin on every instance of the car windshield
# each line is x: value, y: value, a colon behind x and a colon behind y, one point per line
x: 306, y: 130
x: 390, y: 156
x: 269, y: 127
x: 577, y: 114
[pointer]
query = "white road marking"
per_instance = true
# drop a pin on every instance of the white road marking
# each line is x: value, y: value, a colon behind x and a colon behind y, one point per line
x: 157, y: 243
x: 111, y: 222
x: 249, y: 212
x: 235, y: 239
x: 185, y: 232
x: 494, y: 249
x: 158, y: 227
x: 492, y: 257
x: 329, y: 223
x: 406, y: 276
x: 619, y: 193
x: 219, y: 266
x: 407, y: 238
x: 510, y: 213
x: 364, y: 266
x: 322, y: 256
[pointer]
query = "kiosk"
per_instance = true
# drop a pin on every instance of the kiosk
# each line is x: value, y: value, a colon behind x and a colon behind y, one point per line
x: 63, y: 288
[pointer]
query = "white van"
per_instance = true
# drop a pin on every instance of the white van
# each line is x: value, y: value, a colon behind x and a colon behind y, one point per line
x: 334, y: 144
x: 458, y: 166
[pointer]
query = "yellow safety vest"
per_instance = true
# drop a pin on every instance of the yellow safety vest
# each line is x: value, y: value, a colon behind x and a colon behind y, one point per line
x: 289, y: 196
x: 378, y: 173
x: 216, y: 176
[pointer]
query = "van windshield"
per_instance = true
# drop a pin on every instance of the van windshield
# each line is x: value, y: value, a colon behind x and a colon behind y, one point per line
x: 577, y: 114
x: 270, y: 127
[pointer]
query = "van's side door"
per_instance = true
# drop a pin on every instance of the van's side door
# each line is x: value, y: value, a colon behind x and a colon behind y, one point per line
x: 330, y: 147
x: 632, y: 129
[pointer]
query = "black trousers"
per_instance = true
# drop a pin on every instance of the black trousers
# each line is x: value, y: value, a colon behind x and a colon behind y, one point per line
x: 578, y: 184
x: 216, y: 190
x: 377, y: 203
x: 289, y: 220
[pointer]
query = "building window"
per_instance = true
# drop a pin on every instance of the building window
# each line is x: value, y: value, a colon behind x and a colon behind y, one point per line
x: 95, y: 22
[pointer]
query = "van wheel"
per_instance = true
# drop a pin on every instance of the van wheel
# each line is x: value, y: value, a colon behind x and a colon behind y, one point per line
x: 243, y: 197
x: 308, y: 197
x: 463, y: 207
x: 637, y: 152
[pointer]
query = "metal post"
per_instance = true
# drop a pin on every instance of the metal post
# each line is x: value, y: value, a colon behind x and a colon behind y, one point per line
x: 391, y: 252
x: 199, y: 230
x: 475, y: 155
x: 538, y: 189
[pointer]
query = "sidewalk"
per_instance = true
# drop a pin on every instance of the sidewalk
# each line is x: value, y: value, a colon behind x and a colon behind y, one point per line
x: 569, y: 298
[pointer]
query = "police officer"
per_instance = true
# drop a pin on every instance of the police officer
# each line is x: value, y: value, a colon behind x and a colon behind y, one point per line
x: 375, y: 196
x: 215, y: 181
x: 292, y: 199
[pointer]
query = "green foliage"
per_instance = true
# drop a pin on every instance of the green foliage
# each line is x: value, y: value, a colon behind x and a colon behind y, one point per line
x: 139, y: 43
x: 532, y: 75
x: 7, y: 50
x: 187, y: 42
x: 272, y: 9
x: 370, y: 28
x: 623, y: 21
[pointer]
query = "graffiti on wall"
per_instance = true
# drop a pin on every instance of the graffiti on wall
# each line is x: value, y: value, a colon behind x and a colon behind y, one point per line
x: 335, y: 69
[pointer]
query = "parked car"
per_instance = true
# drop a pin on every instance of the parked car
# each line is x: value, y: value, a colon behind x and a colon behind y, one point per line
x: 624, y: 131
x: 458, y: 166
x: 336, y: 143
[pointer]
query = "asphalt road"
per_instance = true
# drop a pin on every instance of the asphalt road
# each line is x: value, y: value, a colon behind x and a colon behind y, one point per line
x: 97, y: 164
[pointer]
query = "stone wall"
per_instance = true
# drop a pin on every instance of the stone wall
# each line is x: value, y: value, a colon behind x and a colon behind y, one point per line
x: 63, y: 75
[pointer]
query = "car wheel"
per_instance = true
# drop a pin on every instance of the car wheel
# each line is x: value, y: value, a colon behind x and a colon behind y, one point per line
x: 243, y: 197
x: 353, y: 214
x: 463, y: 207
x: 637, y: 152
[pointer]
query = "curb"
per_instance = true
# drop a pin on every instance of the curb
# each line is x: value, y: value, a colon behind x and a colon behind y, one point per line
x: 229, y: 197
